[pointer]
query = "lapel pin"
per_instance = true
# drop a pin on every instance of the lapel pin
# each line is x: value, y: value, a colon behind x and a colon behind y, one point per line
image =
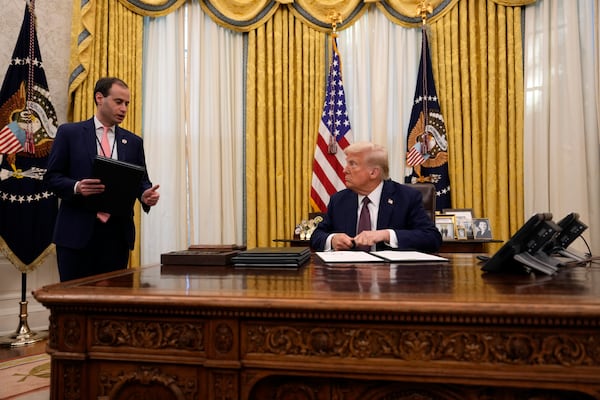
x: 124, y: 141
x: 390, y: 201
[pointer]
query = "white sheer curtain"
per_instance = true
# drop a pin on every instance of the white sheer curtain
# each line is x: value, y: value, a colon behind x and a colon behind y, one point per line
x: 193, y: 132
x: 216, y: 125
x: 164, y: 228
x: 562, y: 150
x: 380, y: 61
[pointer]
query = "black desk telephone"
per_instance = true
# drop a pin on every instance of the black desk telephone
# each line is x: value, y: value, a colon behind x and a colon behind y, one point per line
x: 534, y: 245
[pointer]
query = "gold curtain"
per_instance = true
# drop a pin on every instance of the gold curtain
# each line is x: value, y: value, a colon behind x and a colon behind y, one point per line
x: 477, y: 62
x: 285, y: 80
x: 106, y: 40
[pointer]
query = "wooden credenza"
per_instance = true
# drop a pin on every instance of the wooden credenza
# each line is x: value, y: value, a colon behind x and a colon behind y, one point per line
x: 448, y: 246
x: 338, y: 332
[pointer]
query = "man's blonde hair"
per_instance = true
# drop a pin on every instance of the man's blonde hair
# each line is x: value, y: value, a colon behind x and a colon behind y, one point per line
x: 375, y: 155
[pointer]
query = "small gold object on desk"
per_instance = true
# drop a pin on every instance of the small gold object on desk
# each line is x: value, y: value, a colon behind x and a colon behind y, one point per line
x: 202, y: 255
x: 305, y: 228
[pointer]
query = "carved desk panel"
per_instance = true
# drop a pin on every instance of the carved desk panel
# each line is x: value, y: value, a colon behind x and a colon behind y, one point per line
x: 326, y: 332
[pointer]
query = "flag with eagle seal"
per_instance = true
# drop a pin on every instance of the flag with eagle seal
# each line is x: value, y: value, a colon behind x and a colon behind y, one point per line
x: 28, y: 126
x: 427, y: 143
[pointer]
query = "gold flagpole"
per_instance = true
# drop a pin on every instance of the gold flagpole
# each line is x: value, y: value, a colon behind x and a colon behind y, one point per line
x: 335, y: 18
x: 423, y: 9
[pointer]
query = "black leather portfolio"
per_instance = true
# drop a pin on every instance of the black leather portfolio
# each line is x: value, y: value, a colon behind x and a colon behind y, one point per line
x: 198, y: 257
x: 272, y: 257
x: 122, y: 183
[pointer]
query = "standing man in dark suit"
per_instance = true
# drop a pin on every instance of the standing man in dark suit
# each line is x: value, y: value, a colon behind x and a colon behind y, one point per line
x: 89, y: 242
x: 397, y: 217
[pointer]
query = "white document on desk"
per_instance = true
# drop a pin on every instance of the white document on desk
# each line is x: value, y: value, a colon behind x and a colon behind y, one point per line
x: 407, y: 256
x: 347, y: 256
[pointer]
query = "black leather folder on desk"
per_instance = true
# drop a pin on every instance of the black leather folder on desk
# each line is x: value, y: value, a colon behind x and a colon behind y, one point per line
x: 122, y: 182
x: 272, y: 257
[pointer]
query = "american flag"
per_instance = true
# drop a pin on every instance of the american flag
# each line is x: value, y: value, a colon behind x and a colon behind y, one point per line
x: 12, y: 138
x: 414, y: 156
x: 335, y: 135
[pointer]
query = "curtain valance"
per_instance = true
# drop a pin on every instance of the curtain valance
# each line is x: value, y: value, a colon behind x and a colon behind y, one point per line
x: 246, y: 15
x: 152, y: 8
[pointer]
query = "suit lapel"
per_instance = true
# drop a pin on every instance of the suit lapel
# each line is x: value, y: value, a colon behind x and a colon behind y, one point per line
x: 352, y: 220
x: 121, y: 143
x: 386, y: 205
x: 91, y: 141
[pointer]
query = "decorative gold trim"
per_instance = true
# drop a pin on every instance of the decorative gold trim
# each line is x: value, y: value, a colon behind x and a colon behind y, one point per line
x: 20, y: 265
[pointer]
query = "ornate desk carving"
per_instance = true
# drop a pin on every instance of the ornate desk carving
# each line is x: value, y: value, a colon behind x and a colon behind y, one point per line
x: 344, y: 332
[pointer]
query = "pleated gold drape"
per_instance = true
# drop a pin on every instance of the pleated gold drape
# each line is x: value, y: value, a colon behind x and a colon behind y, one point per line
x: 107, y: 40
x: 285, y: 80
x: 476, y: 52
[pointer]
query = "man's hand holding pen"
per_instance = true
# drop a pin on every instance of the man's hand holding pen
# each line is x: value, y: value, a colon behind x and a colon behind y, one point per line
x: 341, y: 241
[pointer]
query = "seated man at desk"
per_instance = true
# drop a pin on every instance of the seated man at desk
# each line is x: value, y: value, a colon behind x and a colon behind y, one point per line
x: 374, y: 212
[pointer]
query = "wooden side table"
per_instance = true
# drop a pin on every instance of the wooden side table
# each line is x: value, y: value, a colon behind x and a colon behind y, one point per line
x: 448, y: 246
x: 466, y: 246
x: 294, y: 242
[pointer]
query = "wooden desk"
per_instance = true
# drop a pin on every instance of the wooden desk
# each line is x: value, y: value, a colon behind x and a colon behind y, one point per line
x: 344, y: 332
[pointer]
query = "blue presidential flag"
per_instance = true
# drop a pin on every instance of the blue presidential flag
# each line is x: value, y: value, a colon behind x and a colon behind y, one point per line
x: 427, y: 143
x: 28, y: 125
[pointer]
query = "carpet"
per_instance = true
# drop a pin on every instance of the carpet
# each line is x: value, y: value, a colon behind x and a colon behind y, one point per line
x: 25, y: 378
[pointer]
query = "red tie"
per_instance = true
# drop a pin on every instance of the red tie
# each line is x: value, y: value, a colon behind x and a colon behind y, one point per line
x: 104, y: 143
x: 364, y: 221
x: 103, y: 216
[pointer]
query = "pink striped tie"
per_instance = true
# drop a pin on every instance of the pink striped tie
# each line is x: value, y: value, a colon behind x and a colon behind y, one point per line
x: 103, y: 216
x: 104, y: 143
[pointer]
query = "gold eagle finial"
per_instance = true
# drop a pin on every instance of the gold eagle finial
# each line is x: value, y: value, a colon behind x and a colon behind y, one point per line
x: 423, y: 9
x: 335, y: 18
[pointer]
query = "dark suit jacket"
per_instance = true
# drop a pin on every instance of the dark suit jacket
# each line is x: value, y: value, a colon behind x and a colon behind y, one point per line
x: 71, y: 160
x: 400, y: 209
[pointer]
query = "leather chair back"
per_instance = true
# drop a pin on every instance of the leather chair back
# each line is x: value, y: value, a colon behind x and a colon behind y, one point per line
x: 428, y: 192
x: 312, y: 215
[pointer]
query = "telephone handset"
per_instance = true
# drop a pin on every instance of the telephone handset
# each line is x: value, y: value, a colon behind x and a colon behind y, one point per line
x: 572, y: 228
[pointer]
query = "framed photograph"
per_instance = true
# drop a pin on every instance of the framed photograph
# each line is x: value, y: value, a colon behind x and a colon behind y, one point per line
x: 461, y: 232
x: 463, y: 222
x: 445, y: 224
x: 482, y: 228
